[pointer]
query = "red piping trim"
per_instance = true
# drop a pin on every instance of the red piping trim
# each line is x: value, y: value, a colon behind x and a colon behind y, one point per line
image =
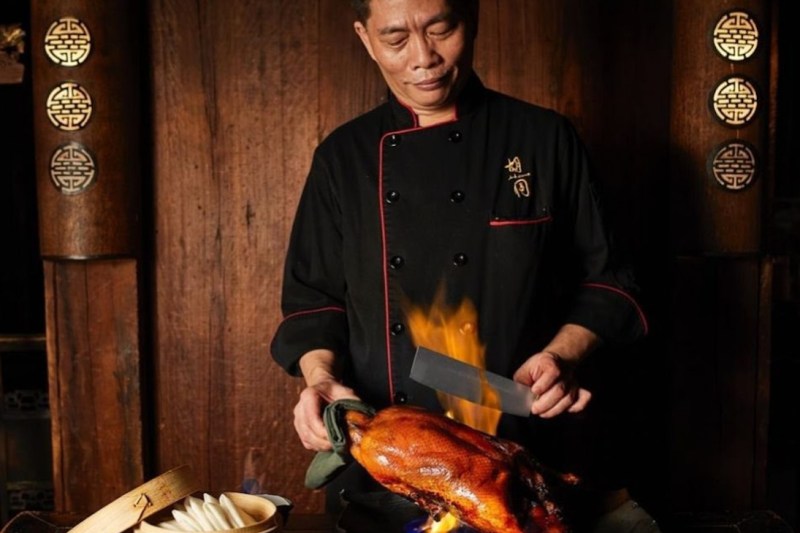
x: 384, y: 264
x: 384, y: 259
x: 311, y: 311
x: 627, y: 296
x: 415, y: 118
x: 527, y: 222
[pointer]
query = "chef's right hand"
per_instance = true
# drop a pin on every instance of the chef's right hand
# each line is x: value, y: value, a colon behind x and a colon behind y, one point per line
x: 308, y: 412
x: 319, y: 368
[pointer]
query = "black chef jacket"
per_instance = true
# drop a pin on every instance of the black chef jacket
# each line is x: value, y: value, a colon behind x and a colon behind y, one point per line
x: 497, y: 205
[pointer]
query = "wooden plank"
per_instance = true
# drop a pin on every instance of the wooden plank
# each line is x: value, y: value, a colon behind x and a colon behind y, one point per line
x: 763, y: 386
x: 301, y: 126
x: 186, y: 210
x: 707, y: 217
x: 95, y: 390
x: 713, y: 388
x: 541, y: 46
x: 101, y: 220
x: 236, y: 120
x: 487, y: 51
x: 349, y: 82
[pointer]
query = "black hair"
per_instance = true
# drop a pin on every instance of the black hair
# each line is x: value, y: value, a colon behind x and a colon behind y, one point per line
x: 467, y: 8
x: 361, y: 7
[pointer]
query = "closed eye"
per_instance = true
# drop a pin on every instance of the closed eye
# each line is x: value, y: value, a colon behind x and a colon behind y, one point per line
x: 441, y: 28
x: 394, y: 39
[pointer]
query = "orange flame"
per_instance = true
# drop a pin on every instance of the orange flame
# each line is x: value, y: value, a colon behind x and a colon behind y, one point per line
x: 453, y: 331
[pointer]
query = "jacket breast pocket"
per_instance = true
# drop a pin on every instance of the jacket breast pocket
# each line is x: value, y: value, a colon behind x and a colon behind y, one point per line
x: 500, y: 222
x: 518, y: 244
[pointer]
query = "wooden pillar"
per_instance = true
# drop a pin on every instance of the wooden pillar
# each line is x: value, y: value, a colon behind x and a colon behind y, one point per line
x: 720, y: 171
x: 719, y: 125
x: 86, y: 122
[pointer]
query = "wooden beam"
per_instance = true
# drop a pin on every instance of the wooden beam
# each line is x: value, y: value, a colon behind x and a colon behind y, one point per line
x: 86, y: 125
x: 95, y: 381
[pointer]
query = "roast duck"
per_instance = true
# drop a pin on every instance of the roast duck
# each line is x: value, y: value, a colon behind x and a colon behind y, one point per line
x: 488, y: 483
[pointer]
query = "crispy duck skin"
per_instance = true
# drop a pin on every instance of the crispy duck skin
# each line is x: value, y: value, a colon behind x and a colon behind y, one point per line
x: 488, y: 483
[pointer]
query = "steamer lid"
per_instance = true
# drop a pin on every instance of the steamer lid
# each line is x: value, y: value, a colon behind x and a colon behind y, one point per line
x: 147, y: 499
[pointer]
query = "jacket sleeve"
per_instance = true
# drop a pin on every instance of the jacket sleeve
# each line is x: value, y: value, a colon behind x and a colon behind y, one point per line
x: 313, y: 291
x: 604, y: 291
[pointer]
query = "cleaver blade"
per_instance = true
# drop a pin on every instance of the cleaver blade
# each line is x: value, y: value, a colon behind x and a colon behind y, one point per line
x: 454, y: 377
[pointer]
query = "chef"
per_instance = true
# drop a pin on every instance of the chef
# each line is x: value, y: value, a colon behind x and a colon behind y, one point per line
x: 448, y: 185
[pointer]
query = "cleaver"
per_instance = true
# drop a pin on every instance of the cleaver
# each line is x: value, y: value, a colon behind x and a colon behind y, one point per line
x: 451, y: 376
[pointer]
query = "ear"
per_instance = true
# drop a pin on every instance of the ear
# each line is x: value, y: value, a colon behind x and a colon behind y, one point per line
x: 361, y: 31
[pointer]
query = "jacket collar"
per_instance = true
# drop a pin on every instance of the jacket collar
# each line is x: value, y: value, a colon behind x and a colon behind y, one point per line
x: 470, y: 97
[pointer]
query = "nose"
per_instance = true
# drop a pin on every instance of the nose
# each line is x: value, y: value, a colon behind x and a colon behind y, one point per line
x: 424, y: 53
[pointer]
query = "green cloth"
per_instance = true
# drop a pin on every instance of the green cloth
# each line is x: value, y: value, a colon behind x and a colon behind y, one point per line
x: 326, y: 465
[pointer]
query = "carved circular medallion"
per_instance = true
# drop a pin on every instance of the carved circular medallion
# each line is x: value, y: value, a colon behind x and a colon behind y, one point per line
x: 72, y: 168
x: 69, y: 106
x: 735, y: 101
x: 736, y: 36
x: 68, y: 42
x: 733, y: 165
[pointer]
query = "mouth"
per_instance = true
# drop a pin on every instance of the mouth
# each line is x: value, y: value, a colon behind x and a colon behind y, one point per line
x: 432, y: 84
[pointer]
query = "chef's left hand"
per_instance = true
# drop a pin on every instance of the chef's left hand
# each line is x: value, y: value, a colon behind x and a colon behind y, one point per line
x: 553, y: 384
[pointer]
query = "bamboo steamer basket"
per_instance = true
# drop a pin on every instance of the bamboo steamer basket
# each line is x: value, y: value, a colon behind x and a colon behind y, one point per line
x: 140, y: 509
x: 262, y: 510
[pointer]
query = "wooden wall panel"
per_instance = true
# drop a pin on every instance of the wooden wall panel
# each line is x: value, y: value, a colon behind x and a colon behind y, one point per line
x: 606, y: 66
x: 236, y: 118
x: 103, y: 219
x: 542, y: 47
x: 242, y: 92
x: 187, y: 208
x: 91, y: 295
x: 349, y: 82
x: 706, y: 218
x: 95, y: 393
x: 241, y: 97
x: 717, y: 384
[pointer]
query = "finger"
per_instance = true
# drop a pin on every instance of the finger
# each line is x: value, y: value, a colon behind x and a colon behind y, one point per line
x: 562, y: 405
x: 309, y: 425
x: 523, y: 375
x: 584, y: 396
x: 310, y: 439
x: 549, y: 398
x: 546, y: 382
x: 533, y: 369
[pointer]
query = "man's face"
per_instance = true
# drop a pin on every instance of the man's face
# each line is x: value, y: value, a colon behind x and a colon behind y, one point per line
x: 423, y: 49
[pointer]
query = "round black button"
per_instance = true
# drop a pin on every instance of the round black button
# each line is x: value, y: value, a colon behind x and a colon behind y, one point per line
x: 393, y: 139
x: 392, y: 197
x: 455, y: 136
x: 460, y: 259
x: 457, y: 197
x: 400, y: 397
x: 398, y: 328
x: 397, y: 262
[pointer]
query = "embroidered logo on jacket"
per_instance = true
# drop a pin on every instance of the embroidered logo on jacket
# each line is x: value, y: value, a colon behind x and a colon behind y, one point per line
x: 518, y: 178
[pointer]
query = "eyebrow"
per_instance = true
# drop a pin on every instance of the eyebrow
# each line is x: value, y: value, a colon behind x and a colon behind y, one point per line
x: 449, y: 15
